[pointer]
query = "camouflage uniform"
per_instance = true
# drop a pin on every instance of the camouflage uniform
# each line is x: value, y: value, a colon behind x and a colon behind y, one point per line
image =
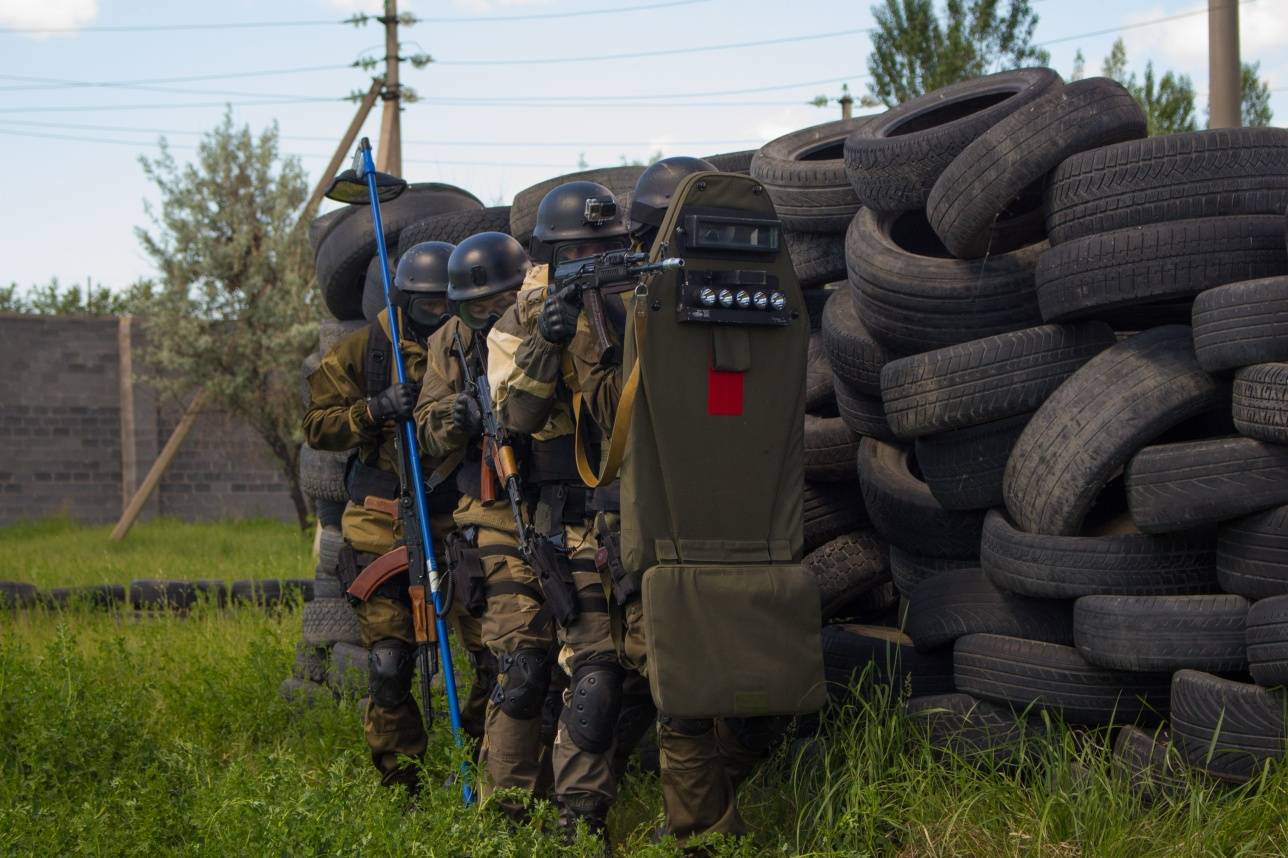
x: 514, y: 628
x: 702, y: 760
x: 533, y: 385
x: 338, y: 419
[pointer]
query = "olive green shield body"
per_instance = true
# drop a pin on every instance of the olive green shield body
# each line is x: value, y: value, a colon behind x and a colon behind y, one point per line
x: 712, y: 476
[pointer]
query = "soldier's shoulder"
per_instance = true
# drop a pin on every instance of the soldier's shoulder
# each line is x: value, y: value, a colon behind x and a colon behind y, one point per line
x: 351, y: 348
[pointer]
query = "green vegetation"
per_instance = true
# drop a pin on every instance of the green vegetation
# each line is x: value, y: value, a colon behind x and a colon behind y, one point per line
x: 168, y: 737
x: 61, y: 553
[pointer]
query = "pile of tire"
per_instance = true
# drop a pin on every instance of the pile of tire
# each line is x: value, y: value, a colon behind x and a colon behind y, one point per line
x: 1063, y: 351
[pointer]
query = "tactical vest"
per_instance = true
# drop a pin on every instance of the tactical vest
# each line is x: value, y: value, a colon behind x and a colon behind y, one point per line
x: 363, y: 478
x: 712, y: 477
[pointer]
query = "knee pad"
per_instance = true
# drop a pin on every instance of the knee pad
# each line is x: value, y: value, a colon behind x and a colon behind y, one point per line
x: 522, y: 691
x: 760, y: 734
x: 596, y: 700
x: 389, y: 669
x: 686, y: 726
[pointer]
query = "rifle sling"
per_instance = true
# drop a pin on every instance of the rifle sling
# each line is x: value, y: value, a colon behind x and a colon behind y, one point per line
x: 621, y: 420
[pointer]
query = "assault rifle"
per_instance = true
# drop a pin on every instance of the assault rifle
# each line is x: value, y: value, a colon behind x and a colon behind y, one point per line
x: 499, y: 463
x: 590, y: 274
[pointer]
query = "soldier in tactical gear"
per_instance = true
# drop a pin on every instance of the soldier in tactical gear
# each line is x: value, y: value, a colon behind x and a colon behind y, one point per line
x: 703, y: 760
x: 354, y: 405
x: 601, y: 716
x: 485, y: 273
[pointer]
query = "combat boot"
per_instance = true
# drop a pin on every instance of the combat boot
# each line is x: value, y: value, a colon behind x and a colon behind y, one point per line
x: 591, y: 811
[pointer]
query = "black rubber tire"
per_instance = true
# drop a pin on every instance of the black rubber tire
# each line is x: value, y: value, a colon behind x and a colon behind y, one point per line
x: 1162, y: 633
x: 343, y: 255
x: 962, y: 727
x: 453, y: 227
x: 17, y: 594
x: 373, y: 292
x: 830, y: 448
x: 831, y: 510
x: 320, y: 227
x: 329, y: 512
x: 1088, y: 429
x: 908, y: 570
x: 1157, y: 263
x: 888, y: 657
x: 1252, y: 554
x: 1020, y: 150
x: 1214, y: 173
x: 947, y: 606
x: 331, y: 331
x: 732, y: 162
x: 330, y: 541
x: 152, y: 593
x: 1149, y: 762
x: 93, y: 595
x: 804, y: 173
x: 903, y: 510
x: 847, y: 567
x: 327, y: 621
x: 820, y: 397
x: 523, y: 210
x: 913, y: 296
x: 865, y: 415
x: 1024, y: 673
x: 1261, y: 402
x: 817, y: 257
x: 1228, y: 729
x: 346, y: 673
x: 1124, y: 564
x: 325, y: 586
x: 815, y: 300
x: 264, y: 592
x: 985, y: 380
x: 1241, y: 324
x: 1179, y: 486
x: 303, y: 692
x: 322, y: 473
x: 310, y: 663
x: 894, y: 161
x: 855, y: 357
x: 964, y: 468
x: 1268, y: 641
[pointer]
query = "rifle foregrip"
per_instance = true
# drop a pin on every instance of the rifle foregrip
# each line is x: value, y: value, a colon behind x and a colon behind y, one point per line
x: 422, y: 615
x: 506, y: 463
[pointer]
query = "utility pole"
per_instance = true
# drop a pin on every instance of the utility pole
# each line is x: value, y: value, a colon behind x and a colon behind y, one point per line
x: 847, y: 102
x: 1225, y: 71
x: 389, y: 156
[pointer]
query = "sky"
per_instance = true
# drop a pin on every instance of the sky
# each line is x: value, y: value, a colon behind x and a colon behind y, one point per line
x: 490, y: 119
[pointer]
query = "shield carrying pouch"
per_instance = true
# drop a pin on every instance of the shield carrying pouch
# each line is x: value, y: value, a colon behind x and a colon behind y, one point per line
x: 708, y: 651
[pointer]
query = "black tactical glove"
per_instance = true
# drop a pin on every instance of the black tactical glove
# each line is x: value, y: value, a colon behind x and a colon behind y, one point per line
x: 467, y: 417
x: 395, y: 402
x: 558, y: 320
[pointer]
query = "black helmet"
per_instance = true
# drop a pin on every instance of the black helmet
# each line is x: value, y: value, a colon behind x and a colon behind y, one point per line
x: 423, y: 268
x: 484, y: 264
x: 656, y: 185
x: 573, y: 213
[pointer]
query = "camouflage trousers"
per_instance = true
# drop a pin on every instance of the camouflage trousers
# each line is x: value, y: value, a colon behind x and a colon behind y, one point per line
x: 399, y: 731
x: 514, y: 750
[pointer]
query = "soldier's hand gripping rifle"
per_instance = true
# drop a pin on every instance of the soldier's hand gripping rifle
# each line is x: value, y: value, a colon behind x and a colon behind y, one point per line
x: 353, y: 186
x: 587, y: 276
x: 548, y: 561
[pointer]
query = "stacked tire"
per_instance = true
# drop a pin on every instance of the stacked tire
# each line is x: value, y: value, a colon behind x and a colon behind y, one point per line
x: 1046, y: 313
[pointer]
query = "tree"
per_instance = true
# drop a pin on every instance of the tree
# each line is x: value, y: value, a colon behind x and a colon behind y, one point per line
x: 914, y: 53
x: 1168, y: 101
x: 53, y: 299
x: 1256, y: 97
x: 234, y: 308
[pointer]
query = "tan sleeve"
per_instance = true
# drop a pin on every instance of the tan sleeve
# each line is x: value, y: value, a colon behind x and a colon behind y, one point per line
x: 599, y: 380
x: 337, y: 417
x: 523, y: 367
x: 438, y: 390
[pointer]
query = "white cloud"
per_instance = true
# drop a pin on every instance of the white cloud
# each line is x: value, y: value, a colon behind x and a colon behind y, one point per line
x: 1182, y: 44
x: 483, y: 6
x: 66, y: 15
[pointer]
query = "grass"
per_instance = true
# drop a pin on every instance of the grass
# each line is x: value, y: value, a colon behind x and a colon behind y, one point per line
x: 167, y: 737
x: 58, y: 552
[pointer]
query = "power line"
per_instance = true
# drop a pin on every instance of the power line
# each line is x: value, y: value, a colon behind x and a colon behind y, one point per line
x: 668, y: 52
x: 1127, y: 27
x: 144, y: 28
x: 176, y: 106
x: 537, y: 16
x: 57, y: 83
x: 525, y: 144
